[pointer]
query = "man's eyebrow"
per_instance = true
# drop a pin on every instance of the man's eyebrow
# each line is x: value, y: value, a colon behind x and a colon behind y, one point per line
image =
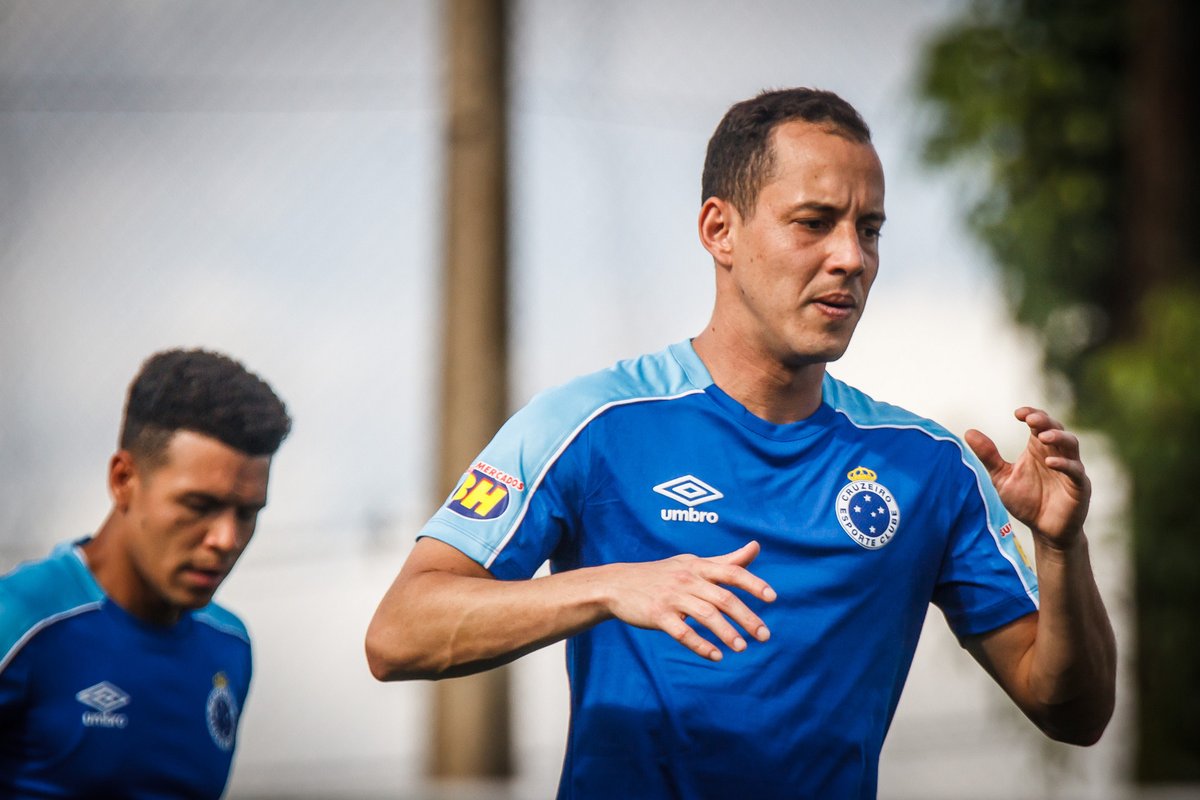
x: 220, y: 501
x: 196, y: 494
x: 829, y: 208
x: 812, y: 205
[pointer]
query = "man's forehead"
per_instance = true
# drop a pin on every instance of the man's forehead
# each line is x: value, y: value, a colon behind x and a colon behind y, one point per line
x: 813, y: 139
x: 825, y: 164
x: 202, y: 457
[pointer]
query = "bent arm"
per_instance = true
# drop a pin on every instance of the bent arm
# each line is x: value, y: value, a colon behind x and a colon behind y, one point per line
x: 445, y: 615
x: 1059, y: 663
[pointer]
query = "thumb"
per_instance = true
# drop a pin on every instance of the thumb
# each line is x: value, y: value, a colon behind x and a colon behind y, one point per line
x: 985, y: 449
x: 740, y: 557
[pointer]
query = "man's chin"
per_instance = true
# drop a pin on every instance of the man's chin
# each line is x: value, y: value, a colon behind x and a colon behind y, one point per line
x: 193, y: 599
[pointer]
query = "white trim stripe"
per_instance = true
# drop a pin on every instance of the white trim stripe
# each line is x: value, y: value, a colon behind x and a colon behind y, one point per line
x: 1030, y: 589
x: 232, y: 630
x: 41, y: 625
x: 536, y: 483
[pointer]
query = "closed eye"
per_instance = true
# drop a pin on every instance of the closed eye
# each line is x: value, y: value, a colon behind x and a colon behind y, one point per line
x: 199, y: 504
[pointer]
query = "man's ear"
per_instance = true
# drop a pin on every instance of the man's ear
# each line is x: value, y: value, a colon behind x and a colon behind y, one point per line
x: 122, y: 474
x: 717, y: 220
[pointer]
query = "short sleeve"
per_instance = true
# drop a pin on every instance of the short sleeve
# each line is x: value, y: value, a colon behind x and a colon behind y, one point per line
x: 984, y: 580
x: 519, y: 498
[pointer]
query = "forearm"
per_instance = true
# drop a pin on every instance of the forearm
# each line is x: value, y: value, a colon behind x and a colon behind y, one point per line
x: 436, y: 624
x: 1071, y: 675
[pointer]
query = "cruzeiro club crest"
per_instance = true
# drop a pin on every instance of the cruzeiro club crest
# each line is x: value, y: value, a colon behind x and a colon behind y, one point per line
x: 866, y: 510
x: 222, y: 713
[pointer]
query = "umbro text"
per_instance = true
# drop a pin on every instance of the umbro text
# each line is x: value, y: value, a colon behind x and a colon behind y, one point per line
x: 101, y: 719
x: 689, y: 515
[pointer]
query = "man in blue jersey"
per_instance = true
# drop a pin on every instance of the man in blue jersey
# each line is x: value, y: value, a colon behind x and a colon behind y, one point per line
x: 783, y: 530
x: 118, y: 675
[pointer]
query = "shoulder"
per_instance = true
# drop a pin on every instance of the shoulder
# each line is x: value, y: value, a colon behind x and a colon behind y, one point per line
x: 931, y: 442
x: 672, y: 372
x: 865, y: 412
x: 874, y: 417
x: 38, y: 594
x: 924, y: 440
x: 223, y: 621
x: 556, y: 416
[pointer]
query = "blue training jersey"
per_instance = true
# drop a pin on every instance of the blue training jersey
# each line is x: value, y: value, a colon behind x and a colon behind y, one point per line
x: 97, y: 703
x: 865, y: 513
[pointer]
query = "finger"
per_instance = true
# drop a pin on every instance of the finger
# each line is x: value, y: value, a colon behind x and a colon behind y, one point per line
x: 1037, y: 419
x: 1065, y: 443
x: 681, y: 632
x: 1071, y: 467
x: 985, y: 449
x: 711, y: 617
x: 728, y: 604
x: 741, y: 557
x: 732, y: 575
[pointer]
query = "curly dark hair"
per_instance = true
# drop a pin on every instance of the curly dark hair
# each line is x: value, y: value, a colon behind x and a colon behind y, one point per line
x: 204, y: 392
x: 740, y: 157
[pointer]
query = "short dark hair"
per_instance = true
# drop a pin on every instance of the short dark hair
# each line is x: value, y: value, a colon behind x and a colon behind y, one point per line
x: 204, y: 392
x: 740, y: 157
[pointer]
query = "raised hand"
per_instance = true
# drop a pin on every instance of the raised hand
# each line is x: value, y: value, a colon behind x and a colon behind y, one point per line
x: 1046, y: 487
x: 663, y: 594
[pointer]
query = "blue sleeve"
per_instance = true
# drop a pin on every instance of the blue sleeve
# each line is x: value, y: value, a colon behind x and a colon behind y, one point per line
x: 984, y: 580
x: 516, y: 501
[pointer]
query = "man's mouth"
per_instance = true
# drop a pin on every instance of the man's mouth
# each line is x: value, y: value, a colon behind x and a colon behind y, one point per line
x: 836, y: 304
x: 204, y: 578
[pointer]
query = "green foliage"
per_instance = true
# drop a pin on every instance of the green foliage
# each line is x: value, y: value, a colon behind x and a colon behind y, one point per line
x: 1031, y: 97
x: 1030, y: 92
x: 1147, y: 395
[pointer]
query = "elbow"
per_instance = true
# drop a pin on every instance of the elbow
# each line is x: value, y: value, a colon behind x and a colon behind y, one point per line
x: 388, y: 658
x: 383, y: 667
x: 1083, y: 724
x: 1080, y: 737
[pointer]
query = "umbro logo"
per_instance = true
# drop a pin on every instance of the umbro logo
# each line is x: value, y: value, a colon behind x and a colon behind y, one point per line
x: 105, y: 698
x: 689, y: 491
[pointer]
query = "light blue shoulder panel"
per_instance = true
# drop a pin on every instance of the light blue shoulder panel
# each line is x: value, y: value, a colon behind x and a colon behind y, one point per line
x: 525, y: 448
x: 866, y: 413
x: 224, y: 620
x: 38, y: 594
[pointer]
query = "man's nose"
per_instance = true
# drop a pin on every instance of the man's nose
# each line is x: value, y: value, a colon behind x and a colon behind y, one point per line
x: 846, y: 250
x: 224, y: 534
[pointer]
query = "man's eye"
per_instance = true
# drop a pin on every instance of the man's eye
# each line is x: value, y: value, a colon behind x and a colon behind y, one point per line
x: 811, y: 224
x: 871, y: 233
x: 198, y: 506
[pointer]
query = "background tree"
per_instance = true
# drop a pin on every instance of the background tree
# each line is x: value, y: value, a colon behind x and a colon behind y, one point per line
x: 1082, y: 117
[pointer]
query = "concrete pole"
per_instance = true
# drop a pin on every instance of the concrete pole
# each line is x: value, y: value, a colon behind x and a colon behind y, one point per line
x: 471, y: 715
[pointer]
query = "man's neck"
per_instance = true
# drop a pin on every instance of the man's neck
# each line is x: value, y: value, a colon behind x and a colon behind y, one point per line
x: 117, y: 576
x: 768, y: 389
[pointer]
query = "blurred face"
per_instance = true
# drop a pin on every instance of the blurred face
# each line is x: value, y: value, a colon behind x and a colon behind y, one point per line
x: 801, y: 266
x: 185, y: 521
